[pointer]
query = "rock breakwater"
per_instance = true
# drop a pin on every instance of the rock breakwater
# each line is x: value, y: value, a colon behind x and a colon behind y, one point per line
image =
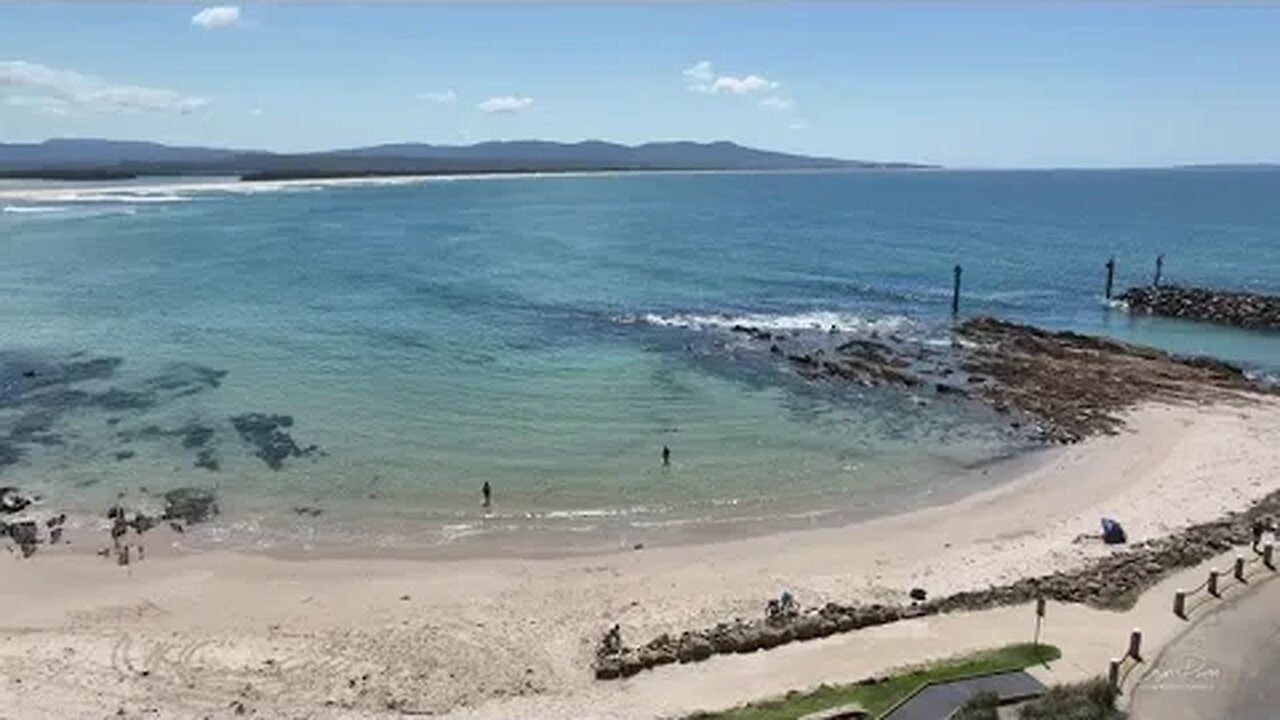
x: 1112, y: 582
x: 1242, y: 309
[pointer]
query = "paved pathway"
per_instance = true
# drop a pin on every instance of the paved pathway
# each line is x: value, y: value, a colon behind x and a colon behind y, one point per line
x: 1226, y: 665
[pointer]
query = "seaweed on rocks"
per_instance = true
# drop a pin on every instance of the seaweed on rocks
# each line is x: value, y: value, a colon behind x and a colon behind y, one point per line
x: 267, y: 434
x: 25, y: 535
x: 195, y: 436
x: 207, y: 460
x: 190, y: 504
x: 1076, y: 385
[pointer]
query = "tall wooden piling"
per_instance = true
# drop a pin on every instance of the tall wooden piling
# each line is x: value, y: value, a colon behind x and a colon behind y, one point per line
x: 955, y: 292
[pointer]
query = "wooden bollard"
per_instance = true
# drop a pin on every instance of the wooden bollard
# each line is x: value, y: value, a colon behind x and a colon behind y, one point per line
x: 1180, y: 604
x: 1239, y: 570
x: 955, y: 292
x: 1135, y: 644
x: 1111, y: 274
x: 1113, y: 674
x: 1213, y: 583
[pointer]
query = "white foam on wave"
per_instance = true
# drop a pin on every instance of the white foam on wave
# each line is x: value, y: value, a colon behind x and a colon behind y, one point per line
x: 182, y: 191
x: 817, y: 320
x: 33, y: 209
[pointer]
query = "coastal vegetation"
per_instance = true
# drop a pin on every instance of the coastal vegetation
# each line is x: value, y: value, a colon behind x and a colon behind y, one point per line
x: 875, y: 695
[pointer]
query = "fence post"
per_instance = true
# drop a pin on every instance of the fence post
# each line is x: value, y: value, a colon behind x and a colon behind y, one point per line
x: 1135, y: 644
x: 955, y: 292
x: 1240, y: 568
x: 1213, y: 583
x: 1180, y: 604
x: 1111, y: 274
x: 1113, y: 674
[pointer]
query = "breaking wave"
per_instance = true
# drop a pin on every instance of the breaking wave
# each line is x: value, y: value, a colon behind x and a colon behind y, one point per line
x: 809, y: 321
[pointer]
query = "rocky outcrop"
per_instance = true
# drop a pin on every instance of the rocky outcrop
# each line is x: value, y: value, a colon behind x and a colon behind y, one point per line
x: 1061, y: 387
x: 1074, y: 386
x: 13, y: 500
x: 1112, y: 582
x: 1243, y: 309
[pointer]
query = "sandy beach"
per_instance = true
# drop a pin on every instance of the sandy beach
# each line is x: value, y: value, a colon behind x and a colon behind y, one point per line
x: 186, y: 634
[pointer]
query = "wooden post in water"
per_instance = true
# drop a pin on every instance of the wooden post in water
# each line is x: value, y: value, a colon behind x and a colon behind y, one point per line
x: 1111, y: 274
x: 955, y: 292
x: 1159, y: 269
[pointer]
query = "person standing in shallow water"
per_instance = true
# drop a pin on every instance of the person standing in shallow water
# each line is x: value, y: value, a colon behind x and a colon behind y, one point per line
x: 487, y: 492
x: 666, y: 456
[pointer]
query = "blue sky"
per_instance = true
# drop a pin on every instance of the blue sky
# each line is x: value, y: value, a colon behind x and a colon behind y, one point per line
x: 999, y: 85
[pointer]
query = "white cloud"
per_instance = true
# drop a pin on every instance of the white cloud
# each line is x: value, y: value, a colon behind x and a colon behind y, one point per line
x: 701, y: 77
x: 742, y: 85
x: 61, y: 91
x: 255, y: 112
x: 217, y: 16
x: 798, y: 126
x: 506, y: 104
x: 775, y: 102
x: 444, y: 98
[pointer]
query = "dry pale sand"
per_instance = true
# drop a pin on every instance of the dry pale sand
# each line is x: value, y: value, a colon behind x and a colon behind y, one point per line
x: 195, y: 634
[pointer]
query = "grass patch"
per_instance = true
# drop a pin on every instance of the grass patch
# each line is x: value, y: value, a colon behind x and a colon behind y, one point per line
x: 877, y: 695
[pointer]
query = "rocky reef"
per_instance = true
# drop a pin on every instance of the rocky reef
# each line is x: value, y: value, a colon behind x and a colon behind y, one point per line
x: 1058, y: 387
x: 1112, y: 582
x: 268, y: 434
x: 1242, y: 309
x: 1074, y: 385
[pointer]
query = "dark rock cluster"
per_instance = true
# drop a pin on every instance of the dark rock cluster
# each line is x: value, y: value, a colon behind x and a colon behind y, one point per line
x: 1243, y: 309
x: 267, y: 433
x: 36, y: 392
x: 25, y: 532
x: 1112, y: 582
x: 190, y: 505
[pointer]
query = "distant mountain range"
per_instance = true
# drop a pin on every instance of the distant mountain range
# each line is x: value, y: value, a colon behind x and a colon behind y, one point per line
x: 75, y: 158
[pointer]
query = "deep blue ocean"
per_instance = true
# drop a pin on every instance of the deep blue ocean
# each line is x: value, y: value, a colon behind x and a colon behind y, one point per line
x: 549, y: 335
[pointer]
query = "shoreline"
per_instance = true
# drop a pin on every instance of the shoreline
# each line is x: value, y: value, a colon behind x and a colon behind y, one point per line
x: 505, y: 637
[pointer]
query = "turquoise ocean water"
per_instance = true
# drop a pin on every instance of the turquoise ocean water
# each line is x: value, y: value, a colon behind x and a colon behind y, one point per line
x: 550, y: 334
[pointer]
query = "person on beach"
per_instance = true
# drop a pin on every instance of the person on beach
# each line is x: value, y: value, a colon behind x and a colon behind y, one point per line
x: 487, y: 492
x: 666, y: 456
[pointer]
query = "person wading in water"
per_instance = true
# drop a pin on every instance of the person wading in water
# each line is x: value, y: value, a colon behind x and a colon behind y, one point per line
x: 487, y: 492
x: 666, y: 456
